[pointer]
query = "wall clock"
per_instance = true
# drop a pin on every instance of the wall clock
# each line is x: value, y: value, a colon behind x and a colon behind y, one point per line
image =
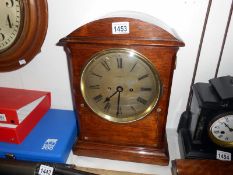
x: 22, y: 31
x: 121, y: 72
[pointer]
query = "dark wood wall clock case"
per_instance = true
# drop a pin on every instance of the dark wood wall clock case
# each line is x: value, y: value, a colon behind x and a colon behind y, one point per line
x: 23, y: 28
x: 121, y: 73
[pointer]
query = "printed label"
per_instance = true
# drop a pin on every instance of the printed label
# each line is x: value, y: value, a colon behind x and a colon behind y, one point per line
x: 120, y: 28
x: 45, y: 170
x: 21, y: 62
x: 221, y: 155
x: 2, y: 117
x: 49, y: 144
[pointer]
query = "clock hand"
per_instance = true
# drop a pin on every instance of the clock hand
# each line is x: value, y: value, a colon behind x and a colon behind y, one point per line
x: 107, y: 99
x: 230, y: 129
x: 119, y: 90
x: 118, y: 103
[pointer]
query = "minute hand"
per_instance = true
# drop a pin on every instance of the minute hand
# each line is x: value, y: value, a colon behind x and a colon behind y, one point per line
x: 118, y: 103
x: 230, y: 129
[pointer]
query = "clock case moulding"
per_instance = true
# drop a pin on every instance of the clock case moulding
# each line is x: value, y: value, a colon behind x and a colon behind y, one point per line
x: 31, y: 37
x: 139, y: 141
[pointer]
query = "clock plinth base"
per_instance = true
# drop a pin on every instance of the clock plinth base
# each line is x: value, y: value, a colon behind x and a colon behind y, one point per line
x: 125, y: 153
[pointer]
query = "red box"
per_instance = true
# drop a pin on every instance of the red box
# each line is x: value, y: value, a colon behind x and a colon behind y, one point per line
x: 20, y: 110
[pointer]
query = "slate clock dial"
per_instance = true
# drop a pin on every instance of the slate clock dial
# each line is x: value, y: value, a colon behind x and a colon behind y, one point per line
x: 221, y: 130
x: 11, y: 12
x: 121, y: 72
x: 120, y: 85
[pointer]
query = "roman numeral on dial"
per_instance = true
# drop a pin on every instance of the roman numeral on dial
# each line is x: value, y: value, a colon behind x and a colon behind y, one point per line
x: 144, y: 76
x: 145, y: 89
x: 97, y: 75
x: 133, y: 109
x: 142, y: 100
x: 119, y: 63
x: 119, y: 112
x: 94, y: 86
x: 98, y: 98
x: 105, y: 65
x: 107, y: 107
x: 133, y: 67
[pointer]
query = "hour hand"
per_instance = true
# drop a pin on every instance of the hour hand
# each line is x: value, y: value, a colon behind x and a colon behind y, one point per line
x: 107, y: 99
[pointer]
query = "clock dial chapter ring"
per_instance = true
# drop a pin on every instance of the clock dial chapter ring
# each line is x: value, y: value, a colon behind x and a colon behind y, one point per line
x: 221, y: 130
x: 120, y: 85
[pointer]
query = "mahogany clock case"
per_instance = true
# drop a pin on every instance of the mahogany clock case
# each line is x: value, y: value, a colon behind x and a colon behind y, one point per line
x: 34, y: 23
x: 139, y: 141
x: 209, y: 101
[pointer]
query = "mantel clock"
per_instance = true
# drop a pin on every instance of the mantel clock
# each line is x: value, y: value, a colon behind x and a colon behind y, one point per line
x: 206, y: 130
x: 121, y: 71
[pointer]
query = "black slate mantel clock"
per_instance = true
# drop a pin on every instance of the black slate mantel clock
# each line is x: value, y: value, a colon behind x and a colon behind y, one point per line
x: 121, y: 71
x: 206, y: 131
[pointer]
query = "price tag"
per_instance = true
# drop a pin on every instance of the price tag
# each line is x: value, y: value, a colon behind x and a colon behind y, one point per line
x: 221, y: 155
x: 2, y: 117
x: 120, y: 28
x: 45, y: 170
x: 22, y: 61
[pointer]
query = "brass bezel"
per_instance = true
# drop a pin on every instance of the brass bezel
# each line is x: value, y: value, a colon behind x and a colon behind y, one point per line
x: 222, y: 143
x: 130, y: 118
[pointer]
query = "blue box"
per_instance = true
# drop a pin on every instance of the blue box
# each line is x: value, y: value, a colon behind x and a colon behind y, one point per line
x: 51, y: 140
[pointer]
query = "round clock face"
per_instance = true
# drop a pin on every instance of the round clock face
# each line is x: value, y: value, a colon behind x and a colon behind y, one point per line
x: 221, y: 130
x: 10, y: 22
x: 120, y: 85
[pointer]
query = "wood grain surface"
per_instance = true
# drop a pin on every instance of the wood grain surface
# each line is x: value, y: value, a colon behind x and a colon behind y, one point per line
x: 202, y: 167
x: 107, y: 172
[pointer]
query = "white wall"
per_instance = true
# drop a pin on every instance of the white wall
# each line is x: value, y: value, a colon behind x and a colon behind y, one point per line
x: 48, y: 71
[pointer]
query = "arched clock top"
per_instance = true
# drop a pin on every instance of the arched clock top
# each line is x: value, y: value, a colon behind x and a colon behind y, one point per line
x: 139, y: 33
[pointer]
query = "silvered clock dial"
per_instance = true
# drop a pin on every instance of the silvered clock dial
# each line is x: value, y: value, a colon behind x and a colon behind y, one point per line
x: 221, y: 130
x: 120, y: 85
x: 11, y: 12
